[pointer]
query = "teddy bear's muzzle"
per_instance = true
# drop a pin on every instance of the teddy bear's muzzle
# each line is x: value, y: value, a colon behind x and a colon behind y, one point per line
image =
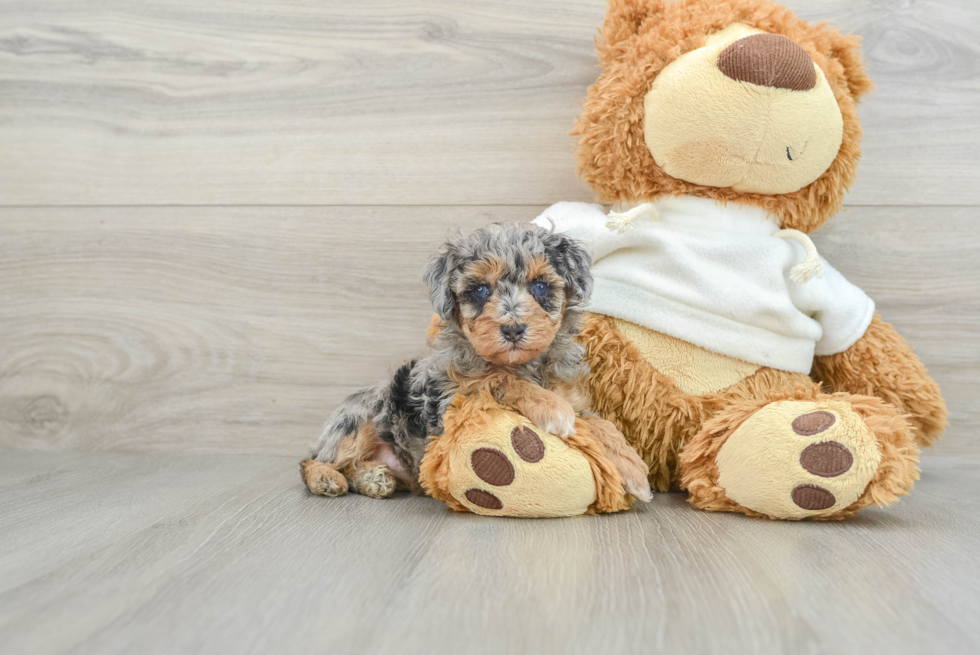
x: 749, y: 110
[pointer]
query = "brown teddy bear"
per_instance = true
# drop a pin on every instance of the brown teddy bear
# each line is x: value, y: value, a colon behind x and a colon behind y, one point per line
x: 740, y: 364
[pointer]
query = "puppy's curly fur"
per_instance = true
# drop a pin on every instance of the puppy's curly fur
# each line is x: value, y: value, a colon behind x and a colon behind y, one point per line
x: 508, y: 299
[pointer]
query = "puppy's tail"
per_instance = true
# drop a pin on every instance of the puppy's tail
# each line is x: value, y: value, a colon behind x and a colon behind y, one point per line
x: 357, y: 409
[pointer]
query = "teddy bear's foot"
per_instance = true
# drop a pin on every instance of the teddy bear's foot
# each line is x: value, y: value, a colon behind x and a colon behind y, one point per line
x: 372, y: 479
x: 490, y: 460
x: 514, y: 469
x: 811, y: 455
x: 323, y: 479
x: 795, y: 459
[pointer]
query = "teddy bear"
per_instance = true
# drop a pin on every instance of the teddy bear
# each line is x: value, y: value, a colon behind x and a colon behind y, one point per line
x: 742, y: 366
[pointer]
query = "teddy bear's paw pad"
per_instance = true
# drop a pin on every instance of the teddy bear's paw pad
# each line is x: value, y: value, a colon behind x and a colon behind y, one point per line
x: 323, y: 480
x: 527, y: 444
x: 484, y: 499
x: 797, y: 459
x: 812, y: 497
x: 375, y: 482
x: 813, y: 423
x: 827, y: 459
x: 492, y: 466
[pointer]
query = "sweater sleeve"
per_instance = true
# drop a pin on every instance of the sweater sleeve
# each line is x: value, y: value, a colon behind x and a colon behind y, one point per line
x: 843, y: 310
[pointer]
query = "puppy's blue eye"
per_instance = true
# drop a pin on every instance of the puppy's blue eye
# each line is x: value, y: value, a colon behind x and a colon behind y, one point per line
x: 481, y: 291
x: 539, y: 289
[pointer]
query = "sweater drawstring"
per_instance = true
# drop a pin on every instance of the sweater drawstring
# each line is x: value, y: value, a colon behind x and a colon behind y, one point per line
x: 623, y: 222
x: 811, y: 266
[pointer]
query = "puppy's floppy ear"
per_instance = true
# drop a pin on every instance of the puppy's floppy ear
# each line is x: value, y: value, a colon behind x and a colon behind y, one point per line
x: 573, y: 262
x: 438, y: 275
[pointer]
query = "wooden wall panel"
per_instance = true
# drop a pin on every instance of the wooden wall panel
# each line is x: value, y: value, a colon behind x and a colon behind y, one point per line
x: 216, y: 212
x: 429, y: 102
x: 238, y: 329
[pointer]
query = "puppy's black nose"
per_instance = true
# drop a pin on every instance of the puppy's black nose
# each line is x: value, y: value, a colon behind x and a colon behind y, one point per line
x: 513, y: 333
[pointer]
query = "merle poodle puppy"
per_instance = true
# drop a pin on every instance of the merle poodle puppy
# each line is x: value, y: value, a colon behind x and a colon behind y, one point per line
x: 508, y: 299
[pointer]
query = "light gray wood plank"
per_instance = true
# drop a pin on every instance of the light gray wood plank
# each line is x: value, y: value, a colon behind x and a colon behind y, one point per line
x: 239, y: 329
x: 252, y: 563
x: 424, y: 102
x: 145, y: 539
x: 60, y: 509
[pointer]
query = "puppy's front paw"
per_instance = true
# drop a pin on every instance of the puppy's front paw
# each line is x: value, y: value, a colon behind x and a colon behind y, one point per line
x: 634, y: 472
x: 631, y: 467
x: 640, y: 489
x: 558, y: 418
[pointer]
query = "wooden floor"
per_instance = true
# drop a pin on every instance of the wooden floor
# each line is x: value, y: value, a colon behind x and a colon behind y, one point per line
x: 116, y: 553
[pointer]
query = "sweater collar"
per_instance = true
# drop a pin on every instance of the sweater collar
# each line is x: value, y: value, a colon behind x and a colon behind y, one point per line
x: 732, y: 217
x: 720, y: 218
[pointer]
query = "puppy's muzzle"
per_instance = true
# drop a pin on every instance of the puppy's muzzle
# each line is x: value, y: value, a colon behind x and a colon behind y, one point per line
x: 513, y: 333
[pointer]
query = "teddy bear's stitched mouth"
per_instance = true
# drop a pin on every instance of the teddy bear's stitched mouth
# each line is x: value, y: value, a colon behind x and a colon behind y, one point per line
x: 789, y: 151
x: 792, y: 156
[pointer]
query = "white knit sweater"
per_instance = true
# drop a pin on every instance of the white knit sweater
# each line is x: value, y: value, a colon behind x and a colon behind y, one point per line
x: 716, y: 276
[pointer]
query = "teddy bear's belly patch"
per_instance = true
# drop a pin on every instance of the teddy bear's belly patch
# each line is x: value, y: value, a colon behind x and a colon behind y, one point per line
x: 692, y: 369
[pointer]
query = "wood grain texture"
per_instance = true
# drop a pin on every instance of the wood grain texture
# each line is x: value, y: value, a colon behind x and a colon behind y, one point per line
x: 238, y: 329
x: 108, y: 553
x: 247, y: 102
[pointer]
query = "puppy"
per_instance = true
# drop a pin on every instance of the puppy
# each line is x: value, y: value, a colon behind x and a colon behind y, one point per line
x: 508, y: 299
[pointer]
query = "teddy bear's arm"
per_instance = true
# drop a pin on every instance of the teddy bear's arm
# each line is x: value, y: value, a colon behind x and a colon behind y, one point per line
x: 882, y: 364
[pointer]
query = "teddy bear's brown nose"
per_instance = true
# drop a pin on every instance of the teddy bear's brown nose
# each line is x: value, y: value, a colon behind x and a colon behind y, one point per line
x: 768, y: 60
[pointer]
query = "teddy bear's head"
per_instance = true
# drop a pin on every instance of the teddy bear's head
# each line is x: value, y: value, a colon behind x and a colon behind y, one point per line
x: 735, y: 100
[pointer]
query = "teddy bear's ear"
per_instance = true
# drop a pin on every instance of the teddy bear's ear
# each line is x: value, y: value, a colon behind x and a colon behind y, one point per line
x: 847, y: 50
x: 623, y: 22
